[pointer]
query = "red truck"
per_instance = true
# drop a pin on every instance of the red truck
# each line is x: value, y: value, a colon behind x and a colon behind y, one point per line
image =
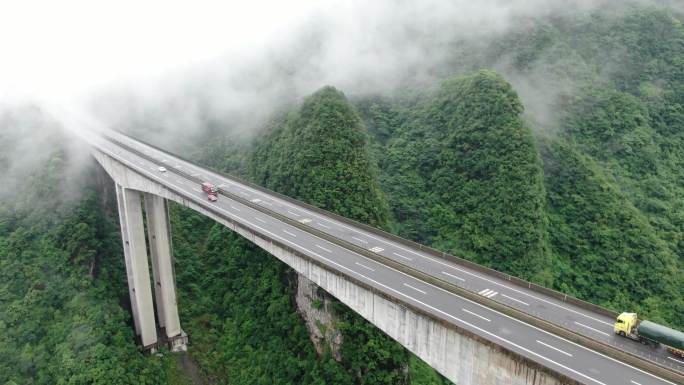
x: 211, y: 190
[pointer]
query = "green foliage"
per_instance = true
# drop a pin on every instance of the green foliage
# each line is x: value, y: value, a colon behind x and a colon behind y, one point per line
x: 318, y: 154
x: 599, y: 214
x: 61, y: 279
x: 463, y: 174
x: 609, y: 219
x: 598, y: 233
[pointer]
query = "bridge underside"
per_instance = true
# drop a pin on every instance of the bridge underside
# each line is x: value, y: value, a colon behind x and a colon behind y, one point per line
x: 460, y: 356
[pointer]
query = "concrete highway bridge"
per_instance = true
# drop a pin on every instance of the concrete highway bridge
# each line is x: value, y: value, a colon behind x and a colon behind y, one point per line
x: 472, y: 324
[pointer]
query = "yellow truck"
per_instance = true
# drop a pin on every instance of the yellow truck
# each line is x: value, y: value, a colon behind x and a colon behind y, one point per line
x: 650, y: 333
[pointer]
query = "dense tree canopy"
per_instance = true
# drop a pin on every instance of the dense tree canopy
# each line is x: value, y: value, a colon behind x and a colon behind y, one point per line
x: 583, y: 193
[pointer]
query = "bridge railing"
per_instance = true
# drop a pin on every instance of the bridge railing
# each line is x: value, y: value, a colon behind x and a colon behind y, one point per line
x: 559, y: 330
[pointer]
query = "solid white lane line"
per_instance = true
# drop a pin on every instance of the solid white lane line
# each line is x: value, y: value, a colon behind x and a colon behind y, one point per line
x: 474, y: 325
x: 295, y: 214
x: 414, y: 288
x: 401, y: 256
x: 555, y: 348
x: 634, y: 382
x: 260, y: 220
x: 482, y: 292
x: 360, y: 240
x: 443, y: 312
x: 426, y: 257
x: 323, y: 248
x: 591, y: 328
x: 290, y: 234
x: 234, y: 208
x: 364, y: 266
x: 516, y: 300
x: 453, y: 276
x: 476, y: 315
x: 457, y: 319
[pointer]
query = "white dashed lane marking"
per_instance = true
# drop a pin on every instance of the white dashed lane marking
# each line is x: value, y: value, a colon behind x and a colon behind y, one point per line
x: 324, y: 249
x: 554, y: 348
x: 402, y: 256
x: 516, y: 300
x: 591, y: 328
x: 453, y: 276
x: 414, y: 288
x: 364, y: 266
x: 476, y: 315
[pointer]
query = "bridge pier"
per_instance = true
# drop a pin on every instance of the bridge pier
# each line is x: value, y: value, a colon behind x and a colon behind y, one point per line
x: 159, y: 237
x: 137, y: 270
x: 130, y: 205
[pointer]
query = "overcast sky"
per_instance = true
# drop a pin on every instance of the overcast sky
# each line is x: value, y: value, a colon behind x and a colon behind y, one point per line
x: 190, y: 59
x: 61, y: 49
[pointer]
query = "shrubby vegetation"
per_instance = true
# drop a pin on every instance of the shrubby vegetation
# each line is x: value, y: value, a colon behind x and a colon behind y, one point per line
x: 586, y: 197
x: 462, y: 173
x: 242, y: 312
x: 61, y: 283
x: 611, y: 199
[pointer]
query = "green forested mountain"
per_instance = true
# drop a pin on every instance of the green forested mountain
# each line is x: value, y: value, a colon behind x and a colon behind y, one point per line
x: 611, y: 200
x: 554, y: 152
x: 318, y: 155
x: 463, y: 174
x: 63, y: 290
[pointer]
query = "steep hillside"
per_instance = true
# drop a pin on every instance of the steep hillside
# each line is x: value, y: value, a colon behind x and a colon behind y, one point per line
x: 615, y: 170
x: 607, y: 121
x: 318, y: 155
x: 62, y: 281
x: 463, y: 174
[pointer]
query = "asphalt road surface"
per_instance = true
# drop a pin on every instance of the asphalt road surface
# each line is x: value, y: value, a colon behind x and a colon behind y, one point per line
x: 573, y: 360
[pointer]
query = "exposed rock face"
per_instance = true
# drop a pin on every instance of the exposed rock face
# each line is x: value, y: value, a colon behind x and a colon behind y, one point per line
x: 314, y: 306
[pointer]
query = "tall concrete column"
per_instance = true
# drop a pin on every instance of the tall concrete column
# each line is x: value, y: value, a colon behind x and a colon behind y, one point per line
x: 159, y: 238
x: 135, y: 255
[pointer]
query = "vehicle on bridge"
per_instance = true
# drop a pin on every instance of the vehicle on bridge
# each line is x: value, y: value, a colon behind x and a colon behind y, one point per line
x: 211, y: 190
x: 647, y: 332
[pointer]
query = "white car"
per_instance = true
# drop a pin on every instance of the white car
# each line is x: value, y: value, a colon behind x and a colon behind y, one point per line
x: 162, y: 169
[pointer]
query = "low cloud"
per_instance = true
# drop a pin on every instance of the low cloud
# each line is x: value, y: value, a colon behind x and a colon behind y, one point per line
x: 167, y: 71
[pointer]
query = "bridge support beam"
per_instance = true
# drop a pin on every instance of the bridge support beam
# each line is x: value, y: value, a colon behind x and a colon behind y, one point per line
x: 135, y: 255
x: 159, y: 238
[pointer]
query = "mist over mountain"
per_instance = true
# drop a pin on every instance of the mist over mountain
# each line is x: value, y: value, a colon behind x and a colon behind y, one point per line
x: 544, y: 139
